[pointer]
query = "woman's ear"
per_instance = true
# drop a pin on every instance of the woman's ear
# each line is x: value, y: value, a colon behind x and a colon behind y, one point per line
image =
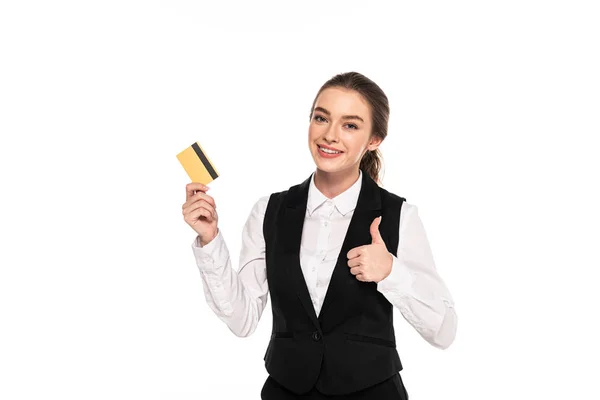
x: 374, y: 143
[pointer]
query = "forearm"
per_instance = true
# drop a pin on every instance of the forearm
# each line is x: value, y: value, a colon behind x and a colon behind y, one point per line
x: 225, y: 290
x: 424, y: 301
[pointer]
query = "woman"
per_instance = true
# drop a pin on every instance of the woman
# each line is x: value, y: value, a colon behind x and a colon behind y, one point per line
x: 334, y: 267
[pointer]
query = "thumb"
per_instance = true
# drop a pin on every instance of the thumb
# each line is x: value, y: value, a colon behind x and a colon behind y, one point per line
x: 375, y: 234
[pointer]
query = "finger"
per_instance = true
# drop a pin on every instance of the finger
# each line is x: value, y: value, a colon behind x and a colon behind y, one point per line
x: 200, y: 196
x: 375, y: 234
x: 191, y: 188
x: 356, y: 270
x: 354, y: 262
x: 194, y: 204
x: 201, y: 204
x: 204, y: 196
x: 204, y: 212
x: 355, y: 252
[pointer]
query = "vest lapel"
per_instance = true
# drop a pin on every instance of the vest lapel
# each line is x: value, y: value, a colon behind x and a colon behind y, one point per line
x: 292, y: 226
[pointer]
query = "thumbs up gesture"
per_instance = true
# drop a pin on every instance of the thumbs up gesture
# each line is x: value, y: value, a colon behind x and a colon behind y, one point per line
x: 371, y: 262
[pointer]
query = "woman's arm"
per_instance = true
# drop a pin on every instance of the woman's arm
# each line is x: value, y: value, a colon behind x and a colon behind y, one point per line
x: 238, y: 298
x: 415, y: 287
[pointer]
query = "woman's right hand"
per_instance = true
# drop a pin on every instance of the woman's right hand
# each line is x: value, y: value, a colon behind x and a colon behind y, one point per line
x: 199, y: 211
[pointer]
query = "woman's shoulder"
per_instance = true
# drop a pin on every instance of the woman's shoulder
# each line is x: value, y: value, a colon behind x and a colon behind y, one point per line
x: 393, y: 197
x: 260, y: 205
x: 397, y: 198
x: 409, y: 207
x: 263, y: 201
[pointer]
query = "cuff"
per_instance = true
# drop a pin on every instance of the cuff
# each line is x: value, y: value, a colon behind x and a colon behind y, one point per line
x: 211, y: 252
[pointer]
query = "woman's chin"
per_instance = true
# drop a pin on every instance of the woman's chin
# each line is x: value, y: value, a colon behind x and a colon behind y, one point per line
x: 328, y: 167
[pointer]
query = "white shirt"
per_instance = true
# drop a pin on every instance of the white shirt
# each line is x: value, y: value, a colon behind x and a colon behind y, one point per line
x: 414, y: 286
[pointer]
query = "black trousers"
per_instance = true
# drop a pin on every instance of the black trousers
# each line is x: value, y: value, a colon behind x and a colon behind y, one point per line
x: 390, y: 389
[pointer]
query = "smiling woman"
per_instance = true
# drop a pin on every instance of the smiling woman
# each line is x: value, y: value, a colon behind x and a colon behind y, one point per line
x: 334, y: 267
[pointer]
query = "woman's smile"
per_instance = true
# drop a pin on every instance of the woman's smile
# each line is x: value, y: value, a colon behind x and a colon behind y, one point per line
x: 327, y: 152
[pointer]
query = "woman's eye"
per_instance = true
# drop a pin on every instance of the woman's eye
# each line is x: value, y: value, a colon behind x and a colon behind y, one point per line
x: 319, y: 118
x: 353, y: 126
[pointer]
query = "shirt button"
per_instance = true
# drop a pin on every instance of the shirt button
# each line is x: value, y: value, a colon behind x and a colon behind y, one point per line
x: 325, y: 223
x: 316, y: 336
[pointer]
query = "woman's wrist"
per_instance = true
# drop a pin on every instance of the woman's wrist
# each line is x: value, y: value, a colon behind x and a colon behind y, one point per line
x: 205, y: 242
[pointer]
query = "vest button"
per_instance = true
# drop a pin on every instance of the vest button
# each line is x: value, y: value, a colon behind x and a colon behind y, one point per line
x: 316, y: 336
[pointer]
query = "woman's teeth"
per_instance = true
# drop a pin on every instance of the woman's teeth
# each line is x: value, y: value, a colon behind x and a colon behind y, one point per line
x: 329, y: 151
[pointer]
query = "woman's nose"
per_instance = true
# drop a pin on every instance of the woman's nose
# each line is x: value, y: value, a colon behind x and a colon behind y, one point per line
x: 332, y: 134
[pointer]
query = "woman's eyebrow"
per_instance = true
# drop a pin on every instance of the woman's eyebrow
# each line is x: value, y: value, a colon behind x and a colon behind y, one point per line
x: 324, y: 111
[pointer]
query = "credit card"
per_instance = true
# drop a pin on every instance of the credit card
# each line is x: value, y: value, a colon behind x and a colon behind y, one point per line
x: 197, y: 165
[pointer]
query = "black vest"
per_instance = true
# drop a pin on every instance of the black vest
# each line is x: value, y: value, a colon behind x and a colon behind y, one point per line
x: 351, y: 344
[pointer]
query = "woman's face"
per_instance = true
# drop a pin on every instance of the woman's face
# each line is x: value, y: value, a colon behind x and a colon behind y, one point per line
x: 342, y: 121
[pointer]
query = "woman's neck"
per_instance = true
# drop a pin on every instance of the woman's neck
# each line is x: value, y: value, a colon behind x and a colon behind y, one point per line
x: 332, y: 184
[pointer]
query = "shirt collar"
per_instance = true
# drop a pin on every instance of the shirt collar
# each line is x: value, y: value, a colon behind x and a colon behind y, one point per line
x: 344, y: 202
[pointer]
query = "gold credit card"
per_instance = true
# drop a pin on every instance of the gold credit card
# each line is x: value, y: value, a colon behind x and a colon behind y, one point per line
x: 197, y: 165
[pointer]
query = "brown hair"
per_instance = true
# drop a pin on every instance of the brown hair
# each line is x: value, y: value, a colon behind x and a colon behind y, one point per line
x: 372, y: 161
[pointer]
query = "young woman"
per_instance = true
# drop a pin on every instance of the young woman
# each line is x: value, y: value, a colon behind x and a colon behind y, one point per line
x: 334, y: 267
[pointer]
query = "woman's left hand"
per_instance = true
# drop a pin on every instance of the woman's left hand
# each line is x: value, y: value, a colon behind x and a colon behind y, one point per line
x: 371, y: 262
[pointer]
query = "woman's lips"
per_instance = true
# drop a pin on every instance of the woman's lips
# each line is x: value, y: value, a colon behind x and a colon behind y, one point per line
x: 327, y: 155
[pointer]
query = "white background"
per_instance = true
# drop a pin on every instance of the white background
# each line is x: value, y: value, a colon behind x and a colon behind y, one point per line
x: 495, y: 116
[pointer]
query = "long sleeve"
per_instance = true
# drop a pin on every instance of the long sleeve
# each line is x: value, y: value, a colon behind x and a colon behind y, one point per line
x: 239, y: 297
x: 415, y: 287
